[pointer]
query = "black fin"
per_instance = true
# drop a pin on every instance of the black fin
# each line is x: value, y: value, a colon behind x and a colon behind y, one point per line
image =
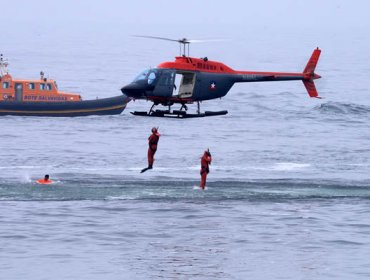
x: 143, y: 170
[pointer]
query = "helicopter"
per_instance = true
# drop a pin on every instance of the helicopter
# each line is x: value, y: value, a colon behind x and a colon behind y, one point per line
x: 200, y: 79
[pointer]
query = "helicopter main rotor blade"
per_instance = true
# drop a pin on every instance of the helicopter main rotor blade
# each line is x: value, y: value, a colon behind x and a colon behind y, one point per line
x: 182, y: 41
x: 155, y: 37
x: 206, y: 40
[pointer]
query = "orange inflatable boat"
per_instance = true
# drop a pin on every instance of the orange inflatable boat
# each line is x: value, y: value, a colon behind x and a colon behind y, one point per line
x: 42, y: 98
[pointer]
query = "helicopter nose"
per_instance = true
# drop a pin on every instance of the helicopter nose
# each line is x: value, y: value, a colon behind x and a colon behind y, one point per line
x: 133, y: 90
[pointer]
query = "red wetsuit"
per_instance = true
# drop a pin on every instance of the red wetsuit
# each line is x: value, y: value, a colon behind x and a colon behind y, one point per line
x: 44, y: 182
x: 204, y: 170
x: 153, y: 143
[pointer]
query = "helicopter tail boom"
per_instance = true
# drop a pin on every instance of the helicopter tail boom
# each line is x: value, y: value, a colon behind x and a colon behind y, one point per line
x: 307, y: 76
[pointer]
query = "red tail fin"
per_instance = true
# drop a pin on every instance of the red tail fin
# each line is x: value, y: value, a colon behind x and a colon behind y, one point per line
x: 311, y: 65
x: 311, y: 89
x: 309, y: 73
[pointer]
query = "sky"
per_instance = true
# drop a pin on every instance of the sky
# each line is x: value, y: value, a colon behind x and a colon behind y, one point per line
x: 259, y: 34
x: 239, y: 13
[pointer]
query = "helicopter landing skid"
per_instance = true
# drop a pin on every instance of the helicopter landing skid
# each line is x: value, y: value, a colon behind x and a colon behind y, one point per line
x: 181, y: 114
x: 178, y: 114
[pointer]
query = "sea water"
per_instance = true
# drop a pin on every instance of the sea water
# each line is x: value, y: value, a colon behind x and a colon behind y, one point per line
x: 287, y: 196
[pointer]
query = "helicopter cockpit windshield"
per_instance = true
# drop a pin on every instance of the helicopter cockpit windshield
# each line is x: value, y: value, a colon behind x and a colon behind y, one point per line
x: 149, y: 76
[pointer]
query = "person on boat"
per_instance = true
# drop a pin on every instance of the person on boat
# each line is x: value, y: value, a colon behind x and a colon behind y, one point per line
x: 153, y: 144
x: 45, y: 181
x: 205, y: 161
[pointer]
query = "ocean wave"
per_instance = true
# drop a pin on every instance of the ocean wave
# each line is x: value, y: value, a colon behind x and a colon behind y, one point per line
x: 183, y: 190
x: 287, y: 166
x: 337, y: 108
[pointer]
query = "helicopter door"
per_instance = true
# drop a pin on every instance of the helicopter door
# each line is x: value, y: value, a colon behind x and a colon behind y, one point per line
x: 177, y: 83
x: 187, y: 85
x: 164, y: 87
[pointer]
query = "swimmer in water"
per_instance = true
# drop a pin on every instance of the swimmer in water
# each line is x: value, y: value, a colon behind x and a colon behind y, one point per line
x: 45, y: 181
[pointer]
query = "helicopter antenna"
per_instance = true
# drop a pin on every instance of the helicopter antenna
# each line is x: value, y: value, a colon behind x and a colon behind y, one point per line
x: 183, y: 43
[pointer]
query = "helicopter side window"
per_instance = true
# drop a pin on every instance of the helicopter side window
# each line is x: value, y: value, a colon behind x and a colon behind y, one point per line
x: 142, y: 76
x: 167, y: 79
x: 151, y: 78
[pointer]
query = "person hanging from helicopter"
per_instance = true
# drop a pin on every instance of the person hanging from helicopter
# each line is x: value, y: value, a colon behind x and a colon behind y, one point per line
x: 205, y: 161
x: 153, y: 144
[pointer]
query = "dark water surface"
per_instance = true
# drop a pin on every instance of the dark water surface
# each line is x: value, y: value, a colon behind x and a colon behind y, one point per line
x: 288, y: 193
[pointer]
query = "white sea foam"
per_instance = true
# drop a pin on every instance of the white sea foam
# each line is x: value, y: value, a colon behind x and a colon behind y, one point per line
x: 199, y: 188
x: 289, y: 166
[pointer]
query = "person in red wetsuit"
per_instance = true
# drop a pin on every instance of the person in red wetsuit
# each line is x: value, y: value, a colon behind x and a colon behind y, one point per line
x: 153, y: 144
x: 204, y: 170
x: 45, y: 181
